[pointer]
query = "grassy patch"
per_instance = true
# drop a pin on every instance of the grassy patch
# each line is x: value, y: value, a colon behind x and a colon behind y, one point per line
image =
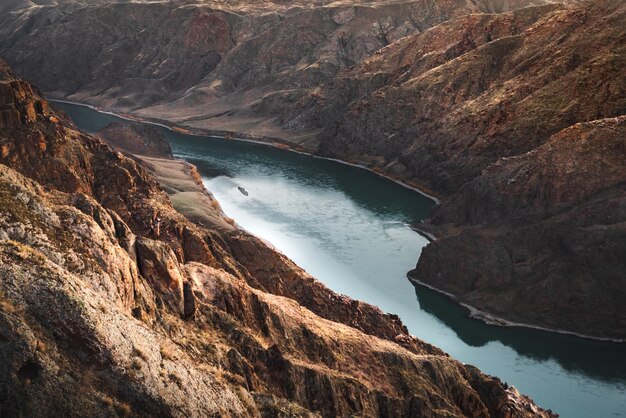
x: 25, y: 252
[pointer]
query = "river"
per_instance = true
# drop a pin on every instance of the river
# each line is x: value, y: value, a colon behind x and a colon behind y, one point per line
x: 349, y: 228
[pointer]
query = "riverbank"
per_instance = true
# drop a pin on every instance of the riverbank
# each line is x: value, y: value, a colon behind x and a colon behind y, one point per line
x: 494, y: 320
x: 182, y: 182
x: 262, y: 140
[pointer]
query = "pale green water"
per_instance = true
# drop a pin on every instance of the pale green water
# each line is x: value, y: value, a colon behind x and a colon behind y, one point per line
x: 348, y: 228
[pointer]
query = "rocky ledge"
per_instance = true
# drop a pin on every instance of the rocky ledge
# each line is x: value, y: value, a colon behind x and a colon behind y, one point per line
x: 112, y: 303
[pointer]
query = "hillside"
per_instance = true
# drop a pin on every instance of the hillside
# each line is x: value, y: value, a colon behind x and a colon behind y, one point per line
x: 552, y: 234
x: 230, y: 66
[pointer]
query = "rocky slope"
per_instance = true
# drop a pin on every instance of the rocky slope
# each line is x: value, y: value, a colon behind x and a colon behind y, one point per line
x: 114, y: 304
x: 444, y: 104
x: 551, y: 228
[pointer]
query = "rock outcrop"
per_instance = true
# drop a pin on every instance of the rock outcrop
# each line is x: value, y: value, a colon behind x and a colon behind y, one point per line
x: 136, y: 138
x: 112, y: 303
x: 551, y: 229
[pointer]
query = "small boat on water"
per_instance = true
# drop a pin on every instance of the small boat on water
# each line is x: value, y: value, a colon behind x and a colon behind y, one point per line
x: 243, y: 191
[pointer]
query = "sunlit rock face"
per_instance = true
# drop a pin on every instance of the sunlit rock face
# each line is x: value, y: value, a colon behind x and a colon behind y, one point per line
x: 113, y: 303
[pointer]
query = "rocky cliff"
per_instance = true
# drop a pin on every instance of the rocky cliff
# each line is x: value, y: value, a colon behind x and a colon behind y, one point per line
x: 542, y: 235
x: 112, y: 303
x: 231, y: 66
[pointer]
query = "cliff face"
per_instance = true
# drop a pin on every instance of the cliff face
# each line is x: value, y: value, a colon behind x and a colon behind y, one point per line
x: 223, y: 65
x: 542, y: 235
x: 113, y: 303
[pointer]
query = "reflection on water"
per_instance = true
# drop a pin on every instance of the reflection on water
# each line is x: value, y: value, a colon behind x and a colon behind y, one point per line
x: 349, y: 228
x: 593, y: 358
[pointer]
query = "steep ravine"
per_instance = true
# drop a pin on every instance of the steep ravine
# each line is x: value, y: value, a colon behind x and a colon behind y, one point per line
x: 115, y: 304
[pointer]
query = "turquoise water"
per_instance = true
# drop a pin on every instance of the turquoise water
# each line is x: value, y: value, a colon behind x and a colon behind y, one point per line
x: 349, y: 228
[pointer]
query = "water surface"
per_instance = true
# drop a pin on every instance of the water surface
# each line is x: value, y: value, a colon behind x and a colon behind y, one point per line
x: 349, y: 228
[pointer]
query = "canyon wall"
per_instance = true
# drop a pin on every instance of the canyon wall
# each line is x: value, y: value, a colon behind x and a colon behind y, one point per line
x: 112, y: 303
x: 517, y: 120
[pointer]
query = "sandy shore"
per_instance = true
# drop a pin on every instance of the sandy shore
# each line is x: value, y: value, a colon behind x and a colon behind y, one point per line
x: 182, y: 182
